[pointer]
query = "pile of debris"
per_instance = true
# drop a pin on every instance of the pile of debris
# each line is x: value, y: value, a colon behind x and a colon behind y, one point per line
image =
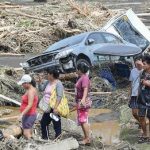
x: 33, y: 28
x: 8, y: 86
x: 102, y: 99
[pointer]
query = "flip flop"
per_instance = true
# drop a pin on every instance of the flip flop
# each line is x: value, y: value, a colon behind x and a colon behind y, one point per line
x: 143, y: 140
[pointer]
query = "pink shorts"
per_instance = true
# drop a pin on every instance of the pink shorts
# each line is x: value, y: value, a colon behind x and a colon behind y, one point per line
x: 82, y: 116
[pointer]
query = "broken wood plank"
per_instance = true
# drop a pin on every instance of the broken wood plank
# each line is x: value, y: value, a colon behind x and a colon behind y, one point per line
x: 9, y: 118
x: 3, y: 34
x: 143, y: 14
x: 18, y: 69
x: 6, y: 28
x: 92, y: 93
x: 100, y: 93
x: 11, y: 54
x: 10, y: 100
x: 27, y: 15
x: 9, y: 6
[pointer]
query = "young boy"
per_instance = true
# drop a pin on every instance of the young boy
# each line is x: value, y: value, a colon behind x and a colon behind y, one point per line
x: 144, y: 98
x: 135, y: 82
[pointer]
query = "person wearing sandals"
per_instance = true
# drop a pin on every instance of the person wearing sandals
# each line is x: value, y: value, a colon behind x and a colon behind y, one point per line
x: 82, y: 92
x: 135, y: 82
x: 28, y: 106
x: 51, y: 116
x: 144, y: 98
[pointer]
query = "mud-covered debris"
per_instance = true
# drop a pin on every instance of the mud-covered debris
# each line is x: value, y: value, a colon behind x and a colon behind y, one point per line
x: 34, y: 28
x: 9, y: 86
x: 100, y: 85
x: 5, y: 112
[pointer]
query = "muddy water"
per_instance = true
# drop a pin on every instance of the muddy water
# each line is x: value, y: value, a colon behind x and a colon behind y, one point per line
x: 103, y: 122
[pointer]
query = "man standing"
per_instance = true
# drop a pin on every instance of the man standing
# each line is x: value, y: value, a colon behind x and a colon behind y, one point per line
x: 135, y: 81
x: 144, y: 98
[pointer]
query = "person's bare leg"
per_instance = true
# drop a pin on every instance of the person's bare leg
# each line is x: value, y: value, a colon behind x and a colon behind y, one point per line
x: 143, y: 125
x: 86, y: 131
x: 135, y: 114
x: 27, y: 133
x: 149, y: 127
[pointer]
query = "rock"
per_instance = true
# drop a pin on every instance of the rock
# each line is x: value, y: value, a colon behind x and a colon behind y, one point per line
x: 67, y: 144
x: 71, y: 126
x: 125, y: 114
x: 123, y: 146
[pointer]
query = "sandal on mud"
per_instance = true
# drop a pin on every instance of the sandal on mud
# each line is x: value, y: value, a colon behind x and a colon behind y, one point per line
x: 84, y: 143
x: 143, y: 140
x: 140, y: 136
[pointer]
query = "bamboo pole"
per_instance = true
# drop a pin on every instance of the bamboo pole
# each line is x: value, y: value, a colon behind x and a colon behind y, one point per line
x: 10, y: 100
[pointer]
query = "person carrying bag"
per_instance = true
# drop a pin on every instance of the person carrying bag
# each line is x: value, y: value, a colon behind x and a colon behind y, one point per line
x: 63, y: 108
x: 51, y: 114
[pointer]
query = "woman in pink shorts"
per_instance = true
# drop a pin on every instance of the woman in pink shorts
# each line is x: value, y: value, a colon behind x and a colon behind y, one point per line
x: 82, y: 89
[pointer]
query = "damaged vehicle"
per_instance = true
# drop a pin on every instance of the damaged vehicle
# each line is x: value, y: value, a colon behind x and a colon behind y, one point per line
x: 67, y: 53
x: 129, y: 27
x: 125, y: 32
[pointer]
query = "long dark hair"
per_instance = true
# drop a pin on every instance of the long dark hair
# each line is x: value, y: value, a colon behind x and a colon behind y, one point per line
x: 53, y: 71
x: 33, y: 83
x: 83, y: 67
x: 146, y: 58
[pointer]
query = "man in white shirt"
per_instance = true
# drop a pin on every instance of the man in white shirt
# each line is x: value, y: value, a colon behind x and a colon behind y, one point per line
x: 135, y: 82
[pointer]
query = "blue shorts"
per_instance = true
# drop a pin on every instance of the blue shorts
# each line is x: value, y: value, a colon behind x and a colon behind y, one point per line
x: 28, y: 121
x: 144, y: 112
x: 133, y: 102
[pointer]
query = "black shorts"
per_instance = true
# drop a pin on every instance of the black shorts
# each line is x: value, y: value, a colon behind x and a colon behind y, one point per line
x: 133, y: 102
x: 144, y: 112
